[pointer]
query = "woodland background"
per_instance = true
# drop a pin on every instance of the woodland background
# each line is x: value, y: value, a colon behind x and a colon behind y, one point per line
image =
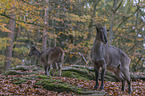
x: 68, y: 24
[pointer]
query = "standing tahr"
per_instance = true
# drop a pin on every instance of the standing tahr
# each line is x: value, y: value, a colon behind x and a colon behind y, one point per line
x: 50, y: 57
x: 109, y: 57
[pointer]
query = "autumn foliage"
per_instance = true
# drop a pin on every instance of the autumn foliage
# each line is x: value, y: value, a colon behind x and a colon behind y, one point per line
x: 69, y: 24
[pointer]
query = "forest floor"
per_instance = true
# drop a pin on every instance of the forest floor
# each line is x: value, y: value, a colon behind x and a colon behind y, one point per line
x: 30, y: 80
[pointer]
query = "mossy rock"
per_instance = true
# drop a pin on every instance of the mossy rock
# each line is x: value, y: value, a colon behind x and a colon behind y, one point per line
x: 43, y: 77
x: 22, y: 68
x: 81, y: 72
x: 51, y: 84
x: 78, y: 70
x: 135, y: 76
x: 75, y: 75
x: 14, y: 72
x: 84, y: 67
x: 20, y: 81
x: 57, y: 85
x: 110, y: 76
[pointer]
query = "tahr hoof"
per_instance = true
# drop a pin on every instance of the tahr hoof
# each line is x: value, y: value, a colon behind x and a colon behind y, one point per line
x: 122, y: 89
x: 101, y: 88
x: 96, y: 87
x: 130, y: 92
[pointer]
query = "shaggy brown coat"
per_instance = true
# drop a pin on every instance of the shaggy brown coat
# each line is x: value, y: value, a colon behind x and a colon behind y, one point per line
x: 50, y: 57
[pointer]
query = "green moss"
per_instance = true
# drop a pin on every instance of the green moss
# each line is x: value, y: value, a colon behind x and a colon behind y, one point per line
x: 21, y: 68
x: 78, y: 70
x: 43, y: 77
x: 20, y: 81
x: 84, y: 67
x: 77, y: 75
x: 59, y: 86
x: 13, y: 72
x: 56, y: 87
x: 35, y: 69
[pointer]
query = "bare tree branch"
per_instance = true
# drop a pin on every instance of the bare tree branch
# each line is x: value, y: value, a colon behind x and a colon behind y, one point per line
x: 125, y: 18
x: 7, y: 16
x: 83, y: 57
x: 112, y: 9
x: 110, y: 6
x: 118, y: 6
x: 36, y: 5
x: 80, y: 54
x: 32, y: 23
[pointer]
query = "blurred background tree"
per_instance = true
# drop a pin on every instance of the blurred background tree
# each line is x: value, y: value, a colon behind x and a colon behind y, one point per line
x: 69, y: 24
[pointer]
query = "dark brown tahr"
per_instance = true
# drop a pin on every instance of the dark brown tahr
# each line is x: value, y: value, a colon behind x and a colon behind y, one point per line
x: 53, y: 56
x: 110, y: 58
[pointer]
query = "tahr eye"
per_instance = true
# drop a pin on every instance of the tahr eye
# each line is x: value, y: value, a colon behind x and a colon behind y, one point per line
x: 101, y: 29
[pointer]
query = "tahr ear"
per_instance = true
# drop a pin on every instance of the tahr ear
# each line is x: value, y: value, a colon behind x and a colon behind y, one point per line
x: 33, y: 47
x: 105, y: 28
x: 29, y: 46
x: 101, y: 30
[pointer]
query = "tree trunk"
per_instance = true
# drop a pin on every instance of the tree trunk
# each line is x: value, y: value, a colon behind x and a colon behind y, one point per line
x: 110, y: 33
x: 44, y: 38
x: 16, y: 35
x: 38, y: 35
x: 92, y: 17
x: 11, y: 26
